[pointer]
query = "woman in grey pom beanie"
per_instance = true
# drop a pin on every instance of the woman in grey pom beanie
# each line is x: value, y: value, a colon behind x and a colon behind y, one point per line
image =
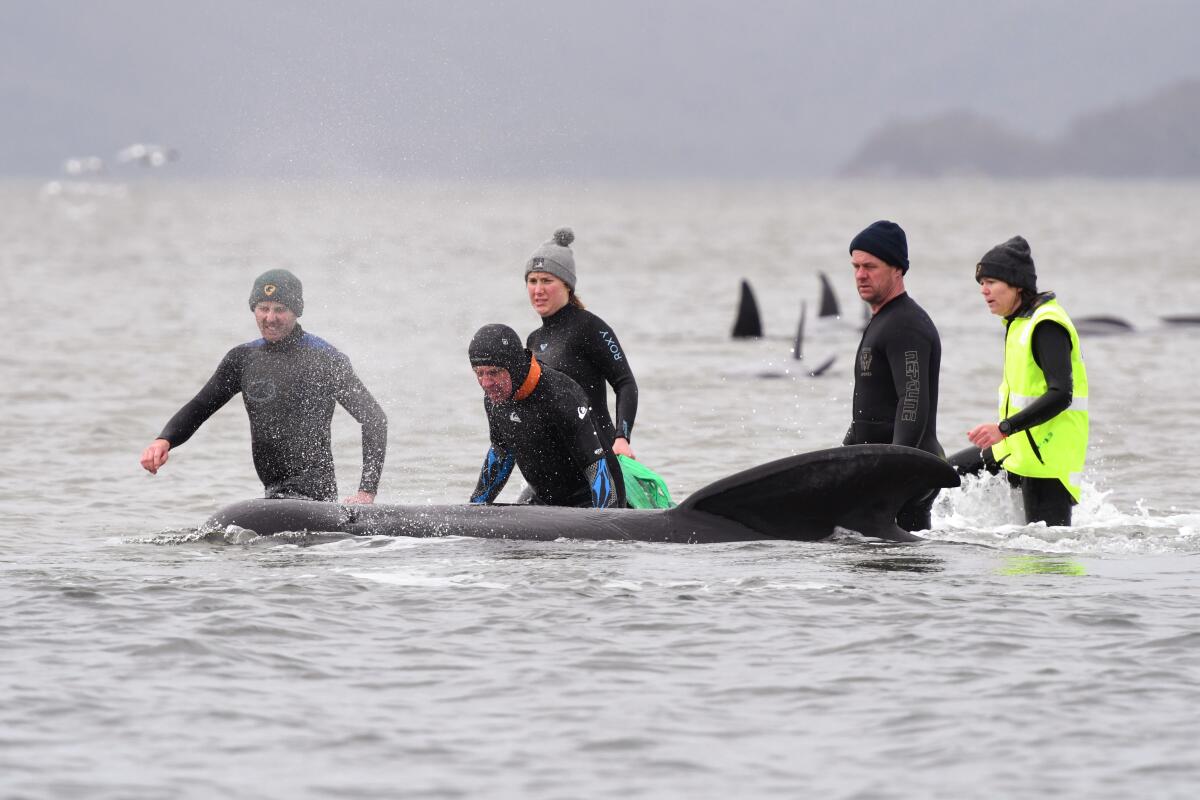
x: 575, y: 341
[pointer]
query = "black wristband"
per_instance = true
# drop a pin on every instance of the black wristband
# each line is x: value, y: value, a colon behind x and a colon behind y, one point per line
x: 1005, y: 427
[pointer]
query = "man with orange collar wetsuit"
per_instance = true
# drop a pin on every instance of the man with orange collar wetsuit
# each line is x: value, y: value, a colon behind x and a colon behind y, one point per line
x: 539, y: 420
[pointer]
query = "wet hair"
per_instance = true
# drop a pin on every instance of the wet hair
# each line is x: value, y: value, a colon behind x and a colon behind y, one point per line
x: 573, y: 299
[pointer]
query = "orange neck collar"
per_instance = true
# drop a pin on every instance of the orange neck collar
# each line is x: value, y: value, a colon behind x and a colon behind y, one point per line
x: 531, y: 380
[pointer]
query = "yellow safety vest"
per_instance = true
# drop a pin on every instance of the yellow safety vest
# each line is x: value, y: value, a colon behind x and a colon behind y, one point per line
x: 1056, y: 448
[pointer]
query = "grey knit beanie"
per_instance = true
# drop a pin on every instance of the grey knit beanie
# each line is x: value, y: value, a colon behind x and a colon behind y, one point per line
x: 1011, y: 262
x: 555, y: 257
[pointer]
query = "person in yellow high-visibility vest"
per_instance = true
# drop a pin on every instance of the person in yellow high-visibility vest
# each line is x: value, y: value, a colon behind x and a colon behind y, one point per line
x: 1041, y: 437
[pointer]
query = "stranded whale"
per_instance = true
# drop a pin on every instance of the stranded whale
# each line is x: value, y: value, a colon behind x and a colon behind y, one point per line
x: 801, y: 498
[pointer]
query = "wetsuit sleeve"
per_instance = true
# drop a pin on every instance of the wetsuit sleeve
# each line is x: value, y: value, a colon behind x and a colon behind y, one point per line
x: 606, y: 352
x: 220, y: 389
x: 355, y: 398
x: 600, y: 468
x: 497, y: 466
x: 909, y: 355
x: 606, y: 485
x: 1051, y: 352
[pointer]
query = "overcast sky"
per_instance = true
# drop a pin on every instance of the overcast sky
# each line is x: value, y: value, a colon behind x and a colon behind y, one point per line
x: 612, y: 89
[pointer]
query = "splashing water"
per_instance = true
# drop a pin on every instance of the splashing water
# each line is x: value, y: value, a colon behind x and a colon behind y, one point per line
x: 987, y: 510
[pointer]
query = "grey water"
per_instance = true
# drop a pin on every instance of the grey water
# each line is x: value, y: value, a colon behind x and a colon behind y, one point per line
x: 141, y: 658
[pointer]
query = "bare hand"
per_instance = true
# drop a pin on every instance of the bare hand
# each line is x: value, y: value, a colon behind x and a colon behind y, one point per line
x: 621, y: 448
x: 985, y: 435
x: 360, y: 498
x: 155, y: 455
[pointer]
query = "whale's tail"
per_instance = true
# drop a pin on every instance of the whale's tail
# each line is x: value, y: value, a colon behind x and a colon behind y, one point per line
x: 858, y: 487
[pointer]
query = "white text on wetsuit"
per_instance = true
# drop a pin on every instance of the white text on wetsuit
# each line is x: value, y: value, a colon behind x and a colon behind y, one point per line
x: 912, y: 386
x: 612, y: 345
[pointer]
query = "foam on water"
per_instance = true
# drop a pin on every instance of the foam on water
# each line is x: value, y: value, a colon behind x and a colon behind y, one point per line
x: 430, y: 581
x: 987, y: 510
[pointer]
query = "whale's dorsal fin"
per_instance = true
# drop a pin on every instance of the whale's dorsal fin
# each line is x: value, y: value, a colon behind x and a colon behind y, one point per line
x: 798, y: 343
x: 859, y: 487
x: 748, y: 324
x: 829, y: 303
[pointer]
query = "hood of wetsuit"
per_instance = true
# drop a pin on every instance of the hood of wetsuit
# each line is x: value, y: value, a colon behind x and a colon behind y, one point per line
x: 500, y: 346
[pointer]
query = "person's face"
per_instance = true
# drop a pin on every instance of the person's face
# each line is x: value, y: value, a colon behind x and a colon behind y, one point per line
x: 1002, y: 299
x: 876, y: 280
x: 275, y: 320
x: 547, y: 294
x: 496, y: 383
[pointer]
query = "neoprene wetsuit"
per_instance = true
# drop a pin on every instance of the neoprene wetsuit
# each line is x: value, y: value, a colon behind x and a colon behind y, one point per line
x: 896, y: 389
x: 552, y: 436
x: 577, y: 342
x: 1045, y: 499
x: 290, y: 388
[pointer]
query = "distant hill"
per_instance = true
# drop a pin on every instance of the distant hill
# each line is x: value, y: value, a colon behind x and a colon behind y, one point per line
x: 1157, y: 137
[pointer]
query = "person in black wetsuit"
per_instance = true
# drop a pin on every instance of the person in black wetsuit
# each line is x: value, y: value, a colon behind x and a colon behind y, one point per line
x: 1041, y: 439
x: 289, y: 380
x: 577, y: 342
x: 539, y: 420
x: 898, y: 360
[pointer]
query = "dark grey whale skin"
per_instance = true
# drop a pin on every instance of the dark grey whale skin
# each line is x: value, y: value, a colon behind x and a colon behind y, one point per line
x: 799, y: 498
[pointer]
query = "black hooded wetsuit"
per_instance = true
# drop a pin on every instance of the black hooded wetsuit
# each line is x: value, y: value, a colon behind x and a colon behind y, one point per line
x: 552, y: 436
x: 1045, y: 499
x: 896, y: 389
x: 580, y: 344
x: 290, y: 388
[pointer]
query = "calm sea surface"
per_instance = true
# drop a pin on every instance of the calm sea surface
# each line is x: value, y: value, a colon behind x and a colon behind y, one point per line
x: 140, y: 659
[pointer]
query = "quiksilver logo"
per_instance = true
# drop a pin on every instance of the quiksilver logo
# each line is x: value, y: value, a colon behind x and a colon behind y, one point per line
x: 543, y: 345
x: 513, y: 416
x: 270, y: 289
x: 582, y: 411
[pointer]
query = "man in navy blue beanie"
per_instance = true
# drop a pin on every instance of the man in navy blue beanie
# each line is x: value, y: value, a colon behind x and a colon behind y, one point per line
x: 898, y: 361
x: 886, y: 241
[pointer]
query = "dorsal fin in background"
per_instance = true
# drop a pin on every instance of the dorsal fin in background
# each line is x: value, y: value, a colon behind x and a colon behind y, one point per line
x: 798, y: 344
x: 1182, y: 319
x: 858, y: 487
x: 1101, y: 326
x: 748, y: 324
x: 829, y: 303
